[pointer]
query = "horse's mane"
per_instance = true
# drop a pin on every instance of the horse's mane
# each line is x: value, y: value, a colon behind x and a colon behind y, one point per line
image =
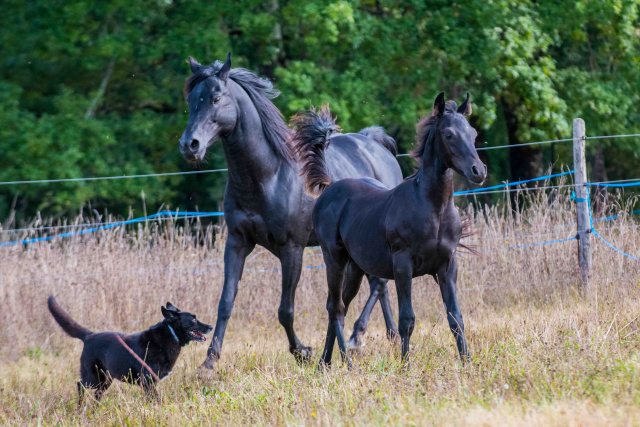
x: 424, y: 130
x: 260, y: 91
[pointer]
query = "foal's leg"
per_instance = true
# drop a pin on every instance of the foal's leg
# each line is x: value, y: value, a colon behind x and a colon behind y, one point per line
x: 446, y: 277
x: 403, y: 273
x: 291, y: 261
x: 350, y: 286
x: 235, y: 252
x: 378, y: 292
x: 335, y: 305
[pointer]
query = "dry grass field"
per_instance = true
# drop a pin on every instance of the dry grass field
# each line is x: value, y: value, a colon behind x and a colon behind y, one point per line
x: 541, y: 353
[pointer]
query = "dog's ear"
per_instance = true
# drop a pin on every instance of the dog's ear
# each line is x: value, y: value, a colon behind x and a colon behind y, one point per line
x: 172, y: 307
x: 168, y: 314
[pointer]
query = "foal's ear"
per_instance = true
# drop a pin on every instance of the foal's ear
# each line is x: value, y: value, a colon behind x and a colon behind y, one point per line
x: 438, y: 105
x: 224, y: 71
x: 195, y: 65
x: 465, y: 108
x: 168, y: 314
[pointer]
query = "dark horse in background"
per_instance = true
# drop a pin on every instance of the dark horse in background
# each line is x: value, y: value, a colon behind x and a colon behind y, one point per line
x: 264, y: 201
x: 401, y: 233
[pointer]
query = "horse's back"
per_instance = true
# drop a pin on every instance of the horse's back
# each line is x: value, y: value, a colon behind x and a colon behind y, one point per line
x: 354, y: 155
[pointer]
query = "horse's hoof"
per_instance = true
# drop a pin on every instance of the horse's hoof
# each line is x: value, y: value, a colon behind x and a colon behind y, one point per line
x: 303, y: 354
x: 393, y: 335
x: 323, y: 366
x: 355, y: 343
x: 205, y: 371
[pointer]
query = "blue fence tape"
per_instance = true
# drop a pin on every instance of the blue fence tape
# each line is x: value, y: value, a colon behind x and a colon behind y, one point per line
x: 595, y: 232
x: 541, y: 243
x: 113, y: 225
x: 510, y: 184
x: 578, y: 199
x: 621, y: 184
x: 616, y: 216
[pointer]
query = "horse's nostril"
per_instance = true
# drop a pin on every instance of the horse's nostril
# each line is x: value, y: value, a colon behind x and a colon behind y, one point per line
x: 194, y: 145
x: 475, y: 170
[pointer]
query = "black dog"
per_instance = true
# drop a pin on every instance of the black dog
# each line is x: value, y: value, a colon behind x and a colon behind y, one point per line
x: 105, y: 358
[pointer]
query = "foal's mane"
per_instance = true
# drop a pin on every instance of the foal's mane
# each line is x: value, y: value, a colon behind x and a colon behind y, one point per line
x: 425, y: 130
x: 260, y: 91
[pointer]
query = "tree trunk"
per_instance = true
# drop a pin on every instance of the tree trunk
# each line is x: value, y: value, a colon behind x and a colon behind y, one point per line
x: 524, y: 162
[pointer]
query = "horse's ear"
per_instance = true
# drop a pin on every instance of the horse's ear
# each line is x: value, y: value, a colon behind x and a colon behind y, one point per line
x: 438, y: 105
x: 465, y: 108
x: 224, y: 71
x: 195, y: 65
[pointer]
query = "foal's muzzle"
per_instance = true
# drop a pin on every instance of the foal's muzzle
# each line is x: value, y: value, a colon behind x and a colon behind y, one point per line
x: 477, y: 173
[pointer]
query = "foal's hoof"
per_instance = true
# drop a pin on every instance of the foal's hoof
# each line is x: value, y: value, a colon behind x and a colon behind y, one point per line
x: 355, y: 343
x: 323, y: 366
x: 393, y: 335
x: 302, y: 354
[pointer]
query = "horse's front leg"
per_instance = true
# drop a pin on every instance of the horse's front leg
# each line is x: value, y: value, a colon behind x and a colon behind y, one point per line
x: 291, y: 261
x: 235, y: 252
x: 403, y: 273
x: 447, y: 277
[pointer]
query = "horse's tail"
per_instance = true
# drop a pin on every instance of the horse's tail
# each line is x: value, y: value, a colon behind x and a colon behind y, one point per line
x: 311, y: 138
x: 70, y: 326
x: 378, y: 134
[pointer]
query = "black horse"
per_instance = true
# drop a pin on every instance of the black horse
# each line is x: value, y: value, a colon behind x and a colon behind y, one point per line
x: 265, y: 202
x: 408, y: 231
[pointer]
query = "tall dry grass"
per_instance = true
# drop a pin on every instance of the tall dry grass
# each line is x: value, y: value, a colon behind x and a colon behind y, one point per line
x: 541, y: 352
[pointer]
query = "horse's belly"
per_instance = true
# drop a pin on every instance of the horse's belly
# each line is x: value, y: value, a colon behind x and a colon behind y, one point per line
x: 372, y: 255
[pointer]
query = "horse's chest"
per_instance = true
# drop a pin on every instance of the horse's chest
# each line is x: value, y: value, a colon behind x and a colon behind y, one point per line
x: 433, y: 247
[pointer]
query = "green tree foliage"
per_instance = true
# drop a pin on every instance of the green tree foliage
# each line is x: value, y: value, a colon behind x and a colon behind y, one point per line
x: 95, y: 89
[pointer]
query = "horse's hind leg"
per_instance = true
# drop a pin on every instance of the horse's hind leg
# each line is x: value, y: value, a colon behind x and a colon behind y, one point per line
x: 350, y: 287
x: 378, y: 291
x: 335, y: 306
x: 291, y: 261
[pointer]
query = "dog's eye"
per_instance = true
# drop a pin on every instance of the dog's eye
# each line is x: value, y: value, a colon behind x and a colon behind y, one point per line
x: 216, y: 99
x: 193, y: 320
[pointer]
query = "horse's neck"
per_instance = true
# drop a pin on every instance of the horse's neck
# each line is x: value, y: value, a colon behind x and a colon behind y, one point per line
x: 250, y: 159
x: 436, y: 179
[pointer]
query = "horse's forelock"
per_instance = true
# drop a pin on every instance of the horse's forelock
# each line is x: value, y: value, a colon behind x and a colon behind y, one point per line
x: 203, y: 73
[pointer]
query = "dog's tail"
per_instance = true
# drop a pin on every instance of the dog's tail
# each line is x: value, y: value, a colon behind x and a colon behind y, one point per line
x: 312, y: 135
x: 378, y: 134
x: 70, y: 326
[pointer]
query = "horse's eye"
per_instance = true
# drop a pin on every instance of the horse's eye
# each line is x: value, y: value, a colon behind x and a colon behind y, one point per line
x: 448, y: 135
x: 193, y: 320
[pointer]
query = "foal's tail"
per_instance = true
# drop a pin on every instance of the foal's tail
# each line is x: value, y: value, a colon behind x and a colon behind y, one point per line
x: 312, y: 136
x: 70, y: 326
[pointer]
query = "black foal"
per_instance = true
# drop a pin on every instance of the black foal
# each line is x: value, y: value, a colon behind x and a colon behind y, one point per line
x: 400, y: 233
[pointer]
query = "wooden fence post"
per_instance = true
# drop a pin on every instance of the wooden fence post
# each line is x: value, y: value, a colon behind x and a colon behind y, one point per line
x: 582, y: 203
